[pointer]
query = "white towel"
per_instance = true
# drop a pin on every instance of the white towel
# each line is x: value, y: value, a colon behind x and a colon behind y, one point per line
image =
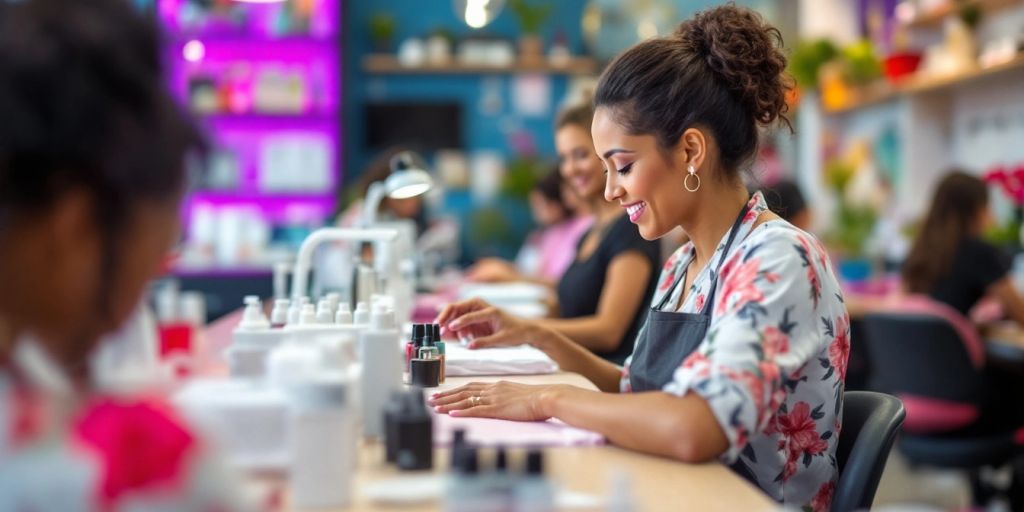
x: 521, y: 360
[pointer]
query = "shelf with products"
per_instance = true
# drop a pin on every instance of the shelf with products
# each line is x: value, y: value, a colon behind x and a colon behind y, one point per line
x: 881, y: 92
x: 390, y: 64
x: 265, y: 81
x: 937, y: 15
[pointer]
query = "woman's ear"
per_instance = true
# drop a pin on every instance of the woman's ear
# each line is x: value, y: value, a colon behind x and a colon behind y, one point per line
x: 692, y: 148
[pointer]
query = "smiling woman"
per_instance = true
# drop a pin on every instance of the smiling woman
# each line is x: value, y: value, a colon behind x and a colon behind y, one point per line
x: 743, y: 354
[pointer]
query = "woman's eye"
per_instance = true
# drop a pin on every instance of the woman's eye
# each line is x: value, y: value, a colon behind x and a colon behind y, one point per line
x: 625, y: 169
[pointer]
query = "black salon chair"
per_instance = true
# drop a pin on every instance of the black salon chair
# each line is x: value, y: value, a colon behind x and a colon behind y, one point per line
x: 870, y: 424
x: 921, y: 358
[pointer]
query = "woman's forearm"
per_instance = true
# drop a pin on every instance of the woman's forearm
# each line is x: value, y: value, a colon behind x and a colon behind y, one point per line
x: 655, y: 422
x: 591, y: 332
x: 571, y: 357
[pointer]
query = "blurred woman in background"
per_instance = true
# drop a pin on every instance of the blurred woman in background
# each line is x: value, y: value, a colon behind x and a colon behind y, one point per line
x: 602, y: 293
x: 548, y: 250
x: 950, y: 261
x: 92, y: 157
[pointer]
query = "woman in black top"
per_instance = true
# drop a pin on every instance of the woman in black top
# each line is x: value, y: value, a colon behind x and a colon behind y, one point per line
x: 580, y: 290
x: 603, y: 293
x: 950, y: 262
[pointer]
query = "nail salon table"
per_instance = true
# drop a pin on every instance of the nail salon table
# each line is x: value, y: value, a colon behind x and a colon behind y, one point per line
x: 657, y: 484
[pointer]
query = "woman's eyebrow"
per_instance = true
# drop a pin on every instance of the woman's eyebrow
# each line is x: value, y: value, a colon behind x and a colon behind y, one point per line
x: 614, y: 151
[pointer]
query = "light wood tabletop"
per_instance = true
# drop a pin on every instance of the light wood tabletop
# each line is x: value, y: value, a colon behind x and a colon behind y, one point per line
x: 656, y: 483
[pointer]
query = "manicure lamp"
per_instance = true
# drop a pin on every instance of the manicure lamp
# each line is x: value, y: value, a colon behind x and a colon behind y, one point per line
x: 408, y: 179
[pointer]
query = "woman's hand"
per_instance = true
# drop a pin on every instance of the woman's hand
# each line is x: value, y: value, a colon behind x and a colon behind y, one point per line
x: 493, y: 270
x: 486, y: 325
x: 503, y: 400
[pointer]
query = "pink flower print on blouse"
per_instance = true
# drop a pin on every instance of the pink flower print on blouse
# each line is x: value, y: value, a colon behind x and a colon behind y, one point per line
x: 666, y: 282
x: 699, y: 306
x: 839, y: 350
x: 699, y: 361
x: 753, y: 211
x: 822, y: 501
x: 812, y: 273
x: 738, y: 279
x: 801, y: 431
x: 775, y: 342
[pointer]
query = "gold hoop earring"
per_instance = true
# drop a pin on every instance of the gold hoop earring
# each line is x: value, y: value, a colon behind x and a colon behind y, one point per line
x: 686, y: 181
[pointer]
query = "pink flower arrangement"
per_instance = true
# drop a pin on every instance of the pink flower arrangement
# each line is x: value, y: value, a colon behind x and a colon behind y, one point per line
x: 1010, y: 180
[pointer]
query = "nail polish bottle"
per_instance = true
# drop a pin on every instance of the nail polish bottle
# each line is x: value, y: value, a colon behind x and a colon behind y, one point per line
x: 440, y: 348
x: 425, y: 369
x: 458, y: 443
x: 534, y: 492
x: 466, y: 492
x: 410, y: 348
x: 415, y: 433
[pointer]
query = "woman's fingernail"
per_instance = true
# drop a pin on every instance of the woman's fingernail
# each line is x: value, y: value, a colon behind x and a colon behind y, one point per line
x: 453, y: 413
x: 473, y: 344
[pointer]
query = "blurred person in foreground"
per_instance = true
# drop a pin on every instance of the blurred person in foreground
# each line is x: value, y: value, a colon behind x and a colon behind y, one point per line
x: 92, y: 158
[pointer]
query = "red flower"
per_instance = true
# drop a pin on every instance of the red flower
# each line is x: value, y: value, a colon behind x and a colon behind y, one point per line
x: 140, y: 446
x: 700, y: 302
x: 775, y: 342
x: 823, y: 499
x: 666, y: 282
x: 802, y: 432
x: 739, y: 281
x: 700, y: 362
x: 839, y: 350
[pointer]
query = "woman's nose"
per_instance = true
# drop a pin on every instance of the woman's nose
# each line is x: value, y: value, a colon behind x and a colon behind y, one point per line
x: 612, y: 190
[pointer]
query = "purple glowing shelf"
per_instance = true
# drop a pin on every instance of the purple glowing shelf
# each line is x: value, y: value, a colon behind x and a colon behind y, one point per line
x: 216, y: 38
x: 228, y: 196
x: 270, y: 119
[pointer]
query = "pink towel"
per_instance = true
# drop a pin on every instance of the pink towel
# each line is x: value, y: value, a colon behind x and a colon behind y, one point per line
x: 491, y: 432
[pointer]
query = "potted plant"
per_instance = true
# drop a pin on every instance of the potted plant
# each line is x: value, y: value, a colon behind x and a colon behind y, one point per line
x: 382, y: 31
x: 530, y: 17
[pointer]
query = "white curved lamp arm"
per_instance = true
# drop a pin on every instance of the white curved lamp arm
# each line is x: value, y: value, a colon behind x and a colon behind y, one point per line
x: 374, y: 195
x: 300, y: 279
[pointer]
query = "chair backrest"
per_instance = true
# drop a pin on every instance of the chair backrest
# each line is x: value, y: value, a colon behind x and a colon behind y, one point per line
x: 870, y: 424
x: 920, y: 354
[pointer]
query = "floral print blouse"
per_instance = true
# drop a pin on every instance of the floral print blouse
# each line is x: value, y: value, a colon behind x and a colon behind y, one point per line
x: 773, y: 363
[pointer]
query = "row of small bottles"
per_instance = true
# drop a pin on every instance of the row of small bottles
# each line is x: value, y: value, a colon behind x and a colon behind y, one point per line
x: 308, y: 354
x: 497, y: 487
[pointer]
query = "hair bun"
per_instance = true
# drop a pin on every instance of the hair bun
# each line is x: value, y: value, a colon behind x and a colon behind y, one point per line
x: 745, y: 53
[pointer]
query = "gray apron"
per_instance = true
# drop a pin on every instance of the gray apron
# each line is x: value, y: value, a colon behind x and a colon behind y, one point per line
x: 670, y: 337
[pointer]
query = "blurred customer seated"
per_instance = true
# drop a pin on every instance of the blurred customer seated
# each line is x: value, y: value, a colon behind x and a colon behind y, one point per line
x: 548, y: 250
x: 950, y: 261
x: 787, y: 201
x: 952, y: 265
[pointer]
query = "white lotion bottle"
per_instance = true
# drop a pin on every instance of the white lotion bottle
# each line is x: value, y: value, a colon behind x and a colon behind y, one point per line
x: 381, y: 368
x: 322, y: 443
